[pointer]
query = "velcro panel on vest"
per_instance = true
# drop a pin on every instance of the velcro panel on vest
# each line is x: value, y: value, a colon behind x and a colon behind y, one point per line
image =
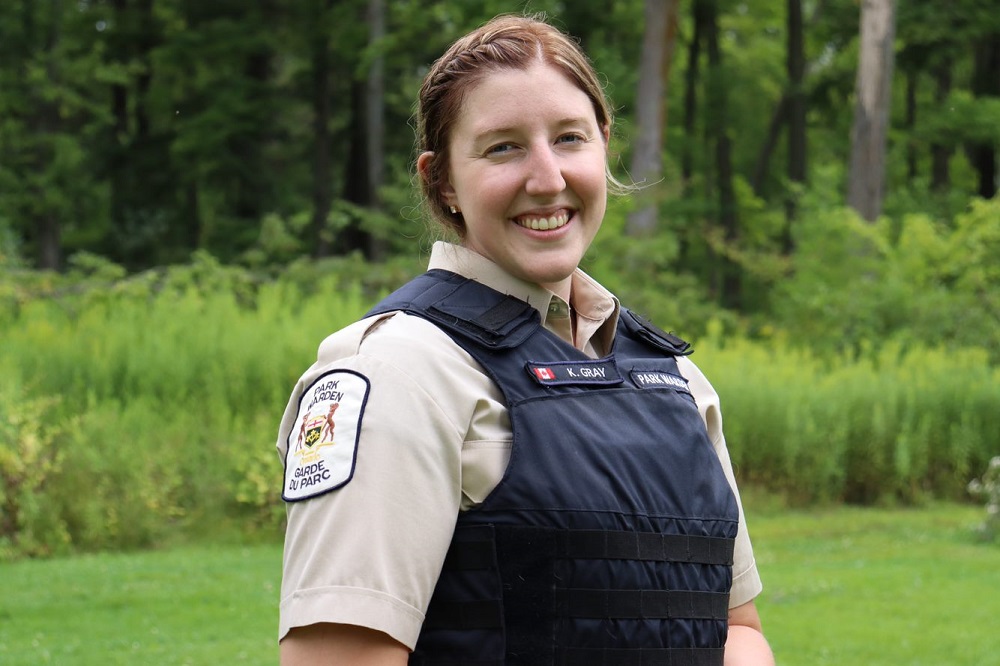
x: 652, y: 335
x: 468, y: 610
x: 495, y: 320
x: 547, y: 599
x: 467, y: 307
x: 649, y: 546
x: 641, y: 656
x: 642, y: 604
x: 474, y: 551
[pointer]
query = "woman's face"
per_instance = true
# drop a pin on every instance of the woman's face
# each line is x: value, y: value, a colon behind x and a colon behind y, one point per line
x: 527, y: 172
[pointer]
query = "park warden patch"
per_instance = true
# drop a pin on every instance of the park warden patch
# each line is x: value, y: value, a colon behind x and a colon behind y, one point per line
x: 323, y: 444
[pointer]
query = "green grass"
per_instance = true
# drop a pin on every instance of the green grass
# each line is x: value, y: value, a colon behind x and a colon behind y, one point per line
x: 845, y: 586
x: 193, y: 605
x: 863, y: 586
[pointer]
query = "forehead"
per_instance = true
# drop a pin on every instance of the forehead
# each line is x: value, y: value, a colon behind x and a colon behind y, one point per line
x: 510, y: 98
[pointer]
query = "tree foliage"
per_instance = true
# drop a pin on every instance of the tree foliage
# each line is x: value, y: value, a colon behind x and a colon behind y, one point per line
x: 146, y: 130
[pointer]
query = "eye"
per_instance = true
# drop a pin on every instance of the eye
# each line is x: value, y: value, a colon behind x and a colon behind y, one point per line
x: 572, y: 137
x: 500, y: 149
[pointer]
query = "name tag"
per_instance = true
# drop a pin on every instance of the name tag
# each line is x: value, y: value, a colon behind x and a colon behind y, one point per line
x: 659, y: 379
x: 603, y: 372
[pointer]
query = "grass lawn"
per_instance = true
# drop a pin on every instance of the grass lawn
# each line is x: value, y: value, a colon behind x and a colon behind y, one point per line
x: 198, y: 605
x: 870, y: 587
x: 845, y: 586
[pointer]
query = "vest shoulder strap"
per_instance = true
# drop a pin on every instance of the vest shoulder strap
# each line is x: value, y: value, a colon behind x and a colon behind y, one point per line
x: 643, y: 329
x: 465, y: 307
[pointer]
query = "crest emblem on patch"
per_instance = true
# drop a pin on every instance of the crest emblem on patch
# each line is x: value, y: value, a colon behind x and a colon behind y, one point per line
x: 322, y: 447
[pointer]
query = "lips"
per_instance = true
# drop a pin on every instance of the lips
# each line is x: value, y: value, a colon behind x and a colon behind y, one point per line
x: 540, y: 223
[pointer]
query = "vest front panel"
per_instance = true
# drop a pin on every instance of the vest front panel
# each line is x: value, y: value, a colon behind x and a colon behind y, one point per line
x: 609, y: 539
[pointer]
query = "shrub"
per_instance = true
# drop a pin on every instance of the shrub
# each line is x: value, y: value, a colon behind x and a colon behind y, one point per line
x: 30, y: 461
x: 914, y: 280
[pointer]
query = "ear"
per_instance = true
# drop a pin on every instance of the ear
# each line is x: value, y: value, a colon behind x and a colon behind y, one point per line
x: 424, y: 163
x: 606, y: 133
x: 445, y: 189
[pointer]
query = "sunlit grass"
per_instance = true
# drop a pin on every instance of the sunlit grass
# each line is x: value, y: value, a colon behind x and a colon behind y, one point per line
x: 869, y: 586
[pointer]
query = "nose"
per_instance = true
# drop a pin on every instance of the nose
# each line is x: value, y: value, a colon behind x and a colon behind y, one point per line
x: 545, y: 177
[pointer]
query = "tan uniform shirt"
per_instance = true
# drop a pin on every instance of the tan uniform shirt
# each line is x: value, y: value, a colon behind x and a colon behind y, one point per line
x: 434, y: 439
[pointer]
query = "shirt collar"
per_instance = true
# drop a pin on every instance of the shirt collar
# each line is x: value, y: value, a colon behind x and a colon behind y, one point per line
x: 596, y: 308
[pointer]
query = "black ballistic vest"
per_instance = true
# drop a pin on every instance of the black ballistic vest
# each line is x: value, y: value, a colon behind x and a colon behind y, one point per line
x: 610, y: 539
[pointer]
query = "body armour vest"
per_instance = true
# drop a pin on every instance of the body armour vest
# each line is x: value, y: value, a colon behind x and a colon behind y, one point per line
x: 609, y: 540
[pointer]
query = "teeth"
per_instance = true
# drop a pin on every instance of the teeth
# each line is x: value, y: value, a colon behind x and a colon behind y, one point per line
x: 545, y: 223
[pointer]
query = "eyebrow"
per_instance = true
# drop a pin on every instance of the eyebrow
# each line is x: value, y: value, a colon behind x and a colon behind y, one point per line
x: 489, y: 133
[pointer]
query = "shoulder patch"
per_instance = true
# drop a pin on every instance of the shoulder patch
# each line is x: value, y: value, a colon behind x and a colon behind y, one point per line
x: 322, y: 447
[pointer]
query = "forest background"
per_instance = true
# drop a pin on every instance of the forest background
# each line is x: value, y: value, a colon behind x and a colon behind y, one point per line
x: 192, y: 194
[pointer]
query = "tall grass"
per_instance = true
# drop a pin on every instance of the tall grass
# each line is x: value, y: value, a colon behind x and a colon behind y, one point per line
x: 886, y: 424
x: 160, y: 409
x: 147, y: 409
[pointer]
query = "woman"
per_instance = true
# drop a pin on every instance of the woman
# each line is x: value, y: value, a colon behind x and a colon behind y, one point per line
x: 522, y: 471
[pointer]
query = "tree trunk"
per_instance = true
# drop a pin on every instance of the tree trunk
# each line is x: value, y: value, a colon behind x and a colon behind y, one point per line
x: 911, y: 123
x: 352, y: 237
x: 251, y: 184
x: 118, y: 180
x: 322, y: 184
x: 774, y: 129
x: 986, y: 83
x: 375, y: 119
x: 691, y: 77
x: 729, y: 278
x: 795, y: 94
x: 941, y: 154
x: 48, y: 232
x: 49, y: 243
x: 146, y: 42
x: 866, y: 178
x: 796, y: 67
x: 659, y: 38
x: 366, y: 138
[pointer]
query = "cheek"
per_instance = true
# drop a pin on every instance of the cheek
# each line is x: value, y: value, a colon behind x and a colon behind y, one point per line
x: 493, y: 191
x: 592, y: 173
x: 594, y: 181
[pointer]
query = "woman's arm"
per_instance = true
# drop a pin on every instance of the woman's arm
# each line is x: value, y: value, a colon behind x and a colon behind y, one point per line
x: 327, y: 644
x: 746, y: 645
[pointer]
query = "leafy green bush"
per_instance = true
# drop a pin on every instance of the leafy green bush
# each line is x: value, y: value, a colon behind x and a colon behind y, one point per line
x: 30, y: 461
x: 916, y: 281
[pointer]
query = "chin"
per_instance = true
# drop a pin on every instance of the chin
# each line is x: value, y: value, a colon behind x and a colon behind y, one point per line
x: 549, y: 275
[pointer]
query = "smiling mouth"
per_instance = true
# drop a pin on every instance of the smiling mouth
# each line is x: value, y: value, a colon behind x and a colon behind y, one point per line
x: 544, y: 223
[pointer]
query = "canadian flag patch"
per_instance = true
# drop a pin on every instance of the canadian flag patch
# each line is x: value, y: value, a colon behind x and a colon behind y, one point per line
x: 544, y: 373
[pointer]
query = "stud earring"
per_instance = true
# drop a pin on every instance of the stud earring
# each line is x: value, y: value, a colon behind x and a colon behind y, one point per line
x: 454, y: 210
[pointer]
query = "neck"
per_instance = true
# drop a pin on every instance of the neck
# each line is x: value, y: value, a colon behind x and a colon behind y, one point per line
x: 562, y: 289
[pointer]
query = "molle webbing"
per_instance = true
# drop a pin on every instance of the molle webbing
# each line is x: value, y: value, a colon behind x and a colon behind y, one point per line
x: 606, y: 545
x: 640, y: 656
x: 474, y: 550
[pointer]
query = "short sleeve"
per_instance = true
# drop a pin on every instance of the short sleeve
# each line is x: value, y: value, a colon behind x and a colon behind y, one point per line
x: 369, y: 551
